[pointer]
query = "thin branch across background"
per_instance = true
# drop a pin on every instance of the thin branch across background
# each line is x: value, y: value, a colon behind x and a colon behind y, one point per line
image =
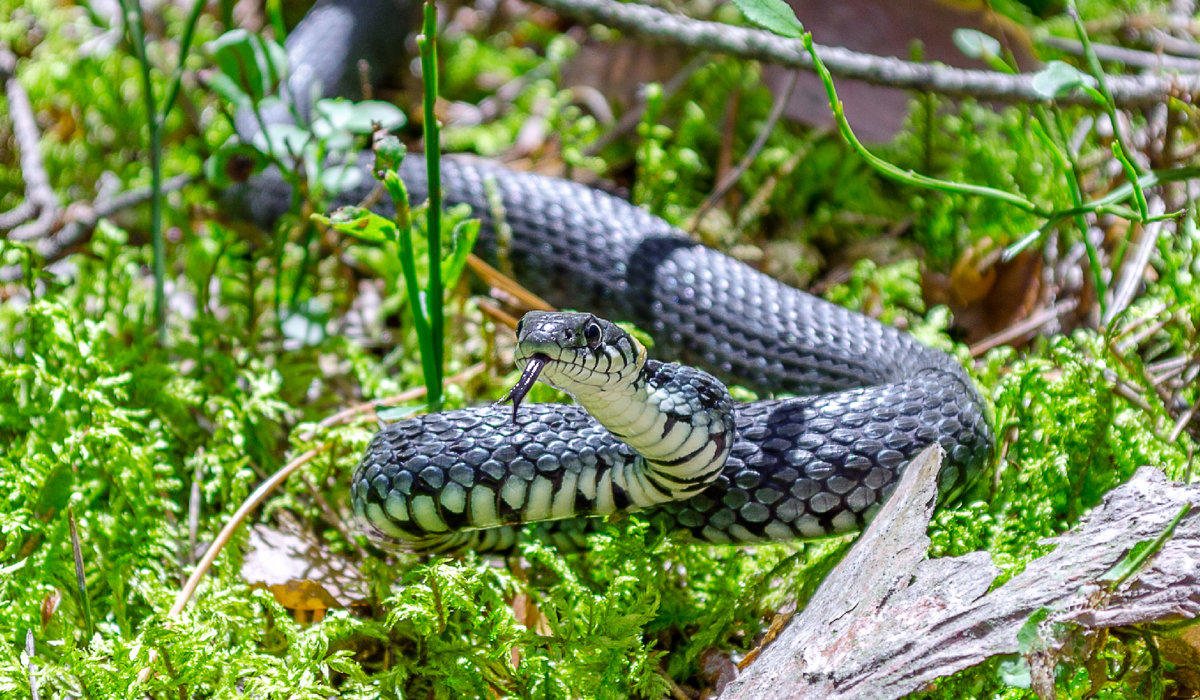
x: 658, y: 25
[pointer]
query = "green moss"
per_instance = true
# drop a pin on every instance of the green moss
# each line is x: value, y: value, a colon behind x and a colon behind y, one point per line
x: 100, y: 420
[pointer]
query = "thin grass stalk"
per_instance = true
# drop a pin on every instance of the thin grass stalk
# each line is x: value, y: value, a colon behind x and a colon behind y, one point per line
x: 408, y: 268
x: 185, y: 47
x: 156, y: 118
x: 1120, y: 149
x: 85, y: 602
x: 1067, y: 163
x: 427, y: 43
x: 135, y: 21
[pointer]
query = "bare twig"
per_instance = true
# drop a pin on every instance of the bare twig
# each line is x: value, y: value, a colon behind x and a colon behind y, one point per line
x: 1163, y: 370
x: 1182, y: 422
x: 235, y: 521
x: 1129, y: 57
x: 630, y: 119
x: 264, y: 489
x: 1024, y: 327
x: 1132, y: 340
x: 508, y: 285
x: 1132, y: 269
x: 347, y: 414
x: 29, y: 654
x: 656, y: 24
x: 39, y: 196
x: 730, y: 179
x: 1159, y: 40
x: 75, y: 231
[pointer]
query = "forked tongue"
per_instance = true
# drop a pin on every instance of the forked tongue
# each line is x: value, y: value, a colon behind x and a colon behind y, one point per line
x: 533, y: 367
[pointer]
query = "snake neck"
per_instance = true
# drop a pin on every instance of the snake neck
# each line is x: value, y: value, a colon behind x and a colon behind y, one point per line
x: 679, y: 419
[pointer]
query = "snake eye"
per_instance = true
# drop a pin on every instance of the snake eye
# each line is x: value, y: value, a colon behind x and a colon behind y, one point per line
x: 520, y: 325
x: 591, y: 333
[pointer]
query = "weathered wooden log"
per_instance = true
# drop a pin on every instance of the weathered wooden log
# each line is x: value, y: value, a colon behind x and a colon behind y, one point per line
x: 887, y: 621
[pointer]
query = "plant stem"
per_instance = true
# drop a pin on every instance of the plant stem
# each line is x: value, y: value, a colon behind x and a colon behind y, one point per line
x: 907, y: 176
x: 135, y: 21
x: 427, y: 43
x: 156, y: 118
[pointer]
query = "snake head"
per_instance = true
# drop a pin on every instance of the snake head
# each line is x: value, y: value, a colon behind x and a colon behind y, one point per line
x: 575, y: 352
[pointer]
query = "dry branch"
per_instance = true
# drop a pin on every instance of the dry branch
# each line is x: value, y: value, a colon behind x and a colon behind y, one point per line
x: 64, y: 236
x: 887, y: 621
x: 658, y: 25
x: 40, y: 203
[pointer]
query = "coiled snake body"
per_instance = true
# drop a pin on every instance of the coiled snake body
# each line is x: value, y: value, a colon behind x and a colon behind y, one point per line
x: 802, y: 467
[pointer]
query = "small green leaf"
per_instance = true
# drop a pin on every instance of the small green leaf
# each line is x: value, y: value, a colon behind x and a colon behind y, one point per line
x: 1058, y: 79
x: 337, y: 179
x: 361, y: 117
x: 976, y: 44
x: 283, y: 140
x: 774, y: 15
x: 360, y: 223
x: 251, y: 65
x: 335, y: 112
x: 462, y: 243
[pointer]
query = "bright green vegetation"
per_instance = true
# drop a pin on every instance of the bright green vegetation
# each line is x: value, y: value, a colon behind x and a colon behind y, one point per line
x: 151, y: 447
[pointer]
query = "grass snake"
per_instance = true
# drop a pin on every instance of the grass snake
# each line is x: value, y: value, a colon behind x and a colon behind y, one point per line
x: 798, y: 467
x: 802, y: 467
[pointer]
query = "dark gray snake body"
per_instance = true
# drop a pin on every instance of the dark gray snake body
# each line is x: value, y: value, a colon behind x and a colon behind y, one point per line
x: 800, y: 467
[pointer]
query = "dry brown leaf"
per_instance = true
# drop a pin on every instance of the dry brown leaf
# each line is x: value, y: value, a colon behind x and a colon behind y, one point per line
x: 985, y: 294
x: 300, y: 574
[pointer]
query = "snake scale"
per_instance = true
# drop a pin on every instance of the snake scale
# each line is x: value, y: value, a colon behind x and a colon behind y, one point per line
x: 801, y: 467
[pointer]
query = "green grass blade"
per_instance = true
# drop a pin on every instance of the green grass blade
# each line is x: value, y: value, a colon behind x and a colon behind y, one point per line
x: 408, y: 266
x: 434, y: 297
